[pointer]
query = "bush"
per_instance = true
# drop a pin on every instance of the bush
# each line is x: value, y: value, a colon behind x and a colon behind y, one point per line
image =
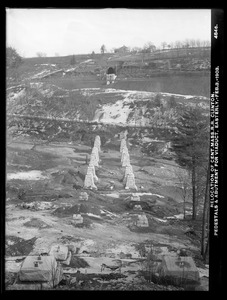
x: 172, y: 102
x: 13, y: 59
x: 157, y: 100
x: 72, y: 60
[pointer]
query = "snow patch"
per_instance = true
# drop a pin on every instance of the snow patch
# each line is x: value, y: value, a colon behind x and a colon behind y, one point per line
x: 115, y: 113
x: 93, y: 215
x: 140, y: 194
x: 180, y: 217
x: 160, y: 220
x: 30, y: 175
x: 86, y: 61
x: 113, y: 195
x: 185, y: 96
x: 52, y: 65
x: 14, y: 96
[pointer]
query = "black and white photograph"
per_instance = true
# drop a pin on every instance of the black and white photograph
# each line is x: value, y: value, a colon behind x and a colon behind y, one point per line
x: 108, y: 131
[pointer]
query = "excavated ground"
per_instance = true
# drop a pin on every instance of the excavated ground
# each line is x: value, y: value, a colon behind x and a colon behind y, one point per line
x: 42, y: 198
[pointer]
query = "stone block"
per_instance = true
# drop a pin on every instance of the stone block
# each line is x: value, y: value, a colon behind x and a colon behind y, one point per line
x: 137, y: 207
x: 78, y: 219
x: 97, y: 146
x: 123, y: 144
x: 125, y: 155
x: 89, y: 182
x: 130, y: 182
x: 91, y: 170
x: 135, y: 198
x: 60, y: 252
x: 83, y: 196
x: 96, y: 152
x: 142, y: 221
x: 126, y: 162
x: 93, y: 160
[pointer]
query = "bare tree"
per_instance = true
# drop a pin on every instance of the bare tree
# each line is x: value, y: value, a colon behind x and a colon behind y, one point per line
x: 184, y: 188
x: 13, y: 61
x: 186, y: 43
x: 103, y: 49
x: 41, y: 54
x: 178, y: 44
x: 164, y: 45
x: 136, y: 49
x: 198, y: 43
x: 149, y: 47
x: 205, y: 224
x: 192, y: 42
x: 206, y: 43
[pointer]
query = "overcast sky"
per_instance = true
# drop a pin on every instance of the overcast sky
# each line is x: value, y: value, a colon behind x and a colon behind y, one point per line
x: 77, y: 31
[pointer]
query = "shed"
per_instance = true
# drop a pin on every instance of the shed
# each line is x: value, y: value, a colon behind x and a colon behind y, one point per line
x: 179, y: 267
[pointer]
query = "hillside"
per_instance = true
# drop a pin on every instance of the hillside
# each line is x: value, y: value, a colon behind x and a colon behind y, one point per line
x: 55, y: 111
x: 172, y: 71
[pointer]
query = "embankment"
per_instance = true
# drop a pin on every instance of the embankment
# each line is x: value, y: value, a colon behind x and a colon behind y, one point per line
x: 196, y: 84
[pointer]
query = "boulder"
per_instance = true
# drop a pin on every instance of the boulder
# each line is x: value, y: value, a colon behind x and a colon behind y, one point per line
x: 142, y: 221
x: 78, y: 219
x: 83, y: 196
x: 60, y: 252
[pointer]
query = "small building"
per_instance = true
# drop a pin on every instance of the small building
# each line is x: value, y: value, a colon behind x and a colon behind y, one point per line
x: 122, y: 49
